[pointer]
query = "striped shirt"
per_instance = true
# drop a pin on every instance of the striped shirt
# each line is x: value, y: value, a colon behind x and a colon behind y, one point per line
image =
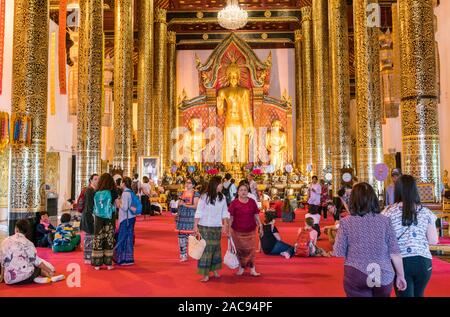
x: 412, y: 240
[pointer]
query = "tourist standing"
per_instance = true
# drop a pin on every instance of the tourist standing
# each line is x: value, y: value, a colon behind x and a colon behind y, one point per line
x: 324, y: 198
x: 136, y: 184
x: 211, y: 216
x: 104, y: 210
x: 87, y: 218
x: 233, y: 189
x: 187, y: 205
x: 145, y: 196
x: 314, y: 196
x: 124, y: 249
x: 368, y: 242
x: 244, y: 219
x: 253, y: 186
x: 226, y: 188
x: 390, y: 196
x: 415, y: 228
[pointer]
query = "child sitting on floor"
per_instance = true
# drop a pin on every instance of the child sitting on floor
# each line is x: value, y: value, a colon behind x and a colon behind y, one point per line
x: 65, y: 238
x: 306, y: 245
x: 316, y: 218
x: 44, y: 232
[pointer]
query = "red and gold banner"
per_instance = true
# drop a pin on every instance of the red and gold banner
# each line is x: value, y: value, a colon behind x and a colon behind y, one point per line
x: 2, y: 40
x: 62, y: 46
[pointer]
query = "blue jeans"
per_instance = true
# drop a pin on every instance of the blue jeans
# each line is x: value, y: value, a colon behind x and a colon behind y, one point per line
x: 280, y: 247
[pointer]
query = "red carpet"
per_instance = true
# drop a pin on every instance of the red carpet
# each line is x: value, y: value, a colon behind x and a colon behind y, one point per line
x: 158, y: 271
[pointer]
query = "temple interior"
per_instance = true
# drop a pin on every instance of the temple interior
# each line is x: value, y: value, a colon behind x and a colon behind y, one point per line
x: 345, y: 90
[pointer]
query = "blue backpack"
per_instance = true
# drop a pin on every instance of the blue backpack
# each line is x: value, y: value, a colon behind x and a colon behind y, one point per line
x: 135, y: 202
x: 103, y: 204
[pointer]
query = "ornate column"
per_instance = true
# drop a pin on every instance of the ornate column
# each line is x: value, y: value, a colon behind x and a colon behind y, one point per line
x: 90, y: 90
x: 420, y: 125
x: 160, y: 109
x: 171, y: 91
x: 29, y: 98
x: 123, y: 84
x: 145, y: 78
x: 321, y: 85
x: 299, y: 148
x: 309, y: 152
x: 340, y: 90
x: 368, y: 93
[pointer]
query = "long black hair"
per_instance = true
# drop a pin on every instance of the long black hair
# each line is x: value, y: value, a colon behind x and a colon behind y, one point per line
x: 211, y: 190
x: 363, y: 200
x: 406, y: 192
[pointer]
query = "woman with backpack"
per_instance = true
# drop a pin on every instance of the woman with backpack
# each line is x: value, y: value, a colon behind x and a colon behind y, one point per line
x: 124, y: 249
x: 104, y: 208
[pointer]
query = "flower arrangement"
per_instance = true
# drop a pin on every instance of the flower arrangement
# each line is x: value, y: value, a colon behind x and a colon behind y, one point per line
x: 212, y: 171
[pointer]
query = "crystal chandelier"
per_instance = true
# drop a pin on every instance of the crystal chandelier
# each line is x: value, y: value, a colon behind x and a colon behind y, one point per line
x: 232, y: 17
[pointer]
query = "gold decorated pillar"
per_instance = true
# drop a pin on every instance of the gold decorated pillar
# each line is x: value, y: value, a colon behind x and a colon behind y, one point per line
x: 89, y: 92
x: 29, y: 98
x: 321, y: 85
x: 368, y: 94
x: 123, y: 85
x: 145, y: 78
x: 160, y: 122
x: 172, y: 89
x: 340, y: 90
x: 299, y: 138
x: 309, y: 152
x: 419, y: 96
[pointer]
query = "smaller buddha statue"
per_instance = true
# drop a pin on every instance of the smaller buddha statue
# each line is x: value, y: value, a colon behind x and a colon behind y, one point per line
x: 276, y: 144
x: 194, y: 142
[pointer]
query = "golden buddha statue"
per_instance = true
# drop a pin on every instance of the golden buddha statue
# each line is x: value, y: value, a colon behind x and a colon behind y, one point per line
x: 238, y: 118
x: 194, y: 142
x: 276, y: 144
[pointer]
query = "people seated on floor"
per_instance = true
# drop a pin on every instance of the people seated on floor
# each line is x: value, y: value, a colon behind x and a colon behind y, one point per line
x: 277, y: 205
x: 44, y: 231
x: 306, y: 244
x: 155, y: 206
x: 340, y: 205
x: 19, y: 261
x: 315, y: 215
x: 271, y: 243
x: 331, y: 231
x: 288, y: 214
x: 66, y: 240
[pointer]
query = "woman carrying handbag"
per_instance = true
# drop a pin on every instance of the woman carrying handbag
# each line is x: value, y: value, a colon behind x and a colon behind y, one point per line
x: 211, y: 212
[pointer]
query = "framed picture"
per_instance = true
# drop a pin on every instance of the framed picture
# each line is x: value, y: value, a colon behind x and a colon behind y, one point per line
x: 149, y: 166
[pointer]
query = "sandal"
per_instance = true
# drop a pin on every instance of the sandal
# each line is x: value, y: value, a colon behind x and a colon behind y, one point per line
x: 205, y: 279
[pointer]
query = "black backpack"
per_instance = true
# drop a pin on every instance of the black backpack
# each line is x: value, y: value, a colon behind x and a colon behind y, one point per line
x: 226, y: 193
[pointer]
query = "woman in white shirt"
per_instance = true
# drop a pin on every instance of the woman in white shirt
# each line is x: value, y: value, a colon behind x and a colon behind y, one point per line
x: 211, y: 212
x: 415, y: 228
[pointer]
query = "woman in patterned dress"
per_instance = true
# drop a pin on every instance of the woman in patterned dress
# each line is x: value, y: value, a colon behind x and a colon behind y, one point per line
x: 185, y: 218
